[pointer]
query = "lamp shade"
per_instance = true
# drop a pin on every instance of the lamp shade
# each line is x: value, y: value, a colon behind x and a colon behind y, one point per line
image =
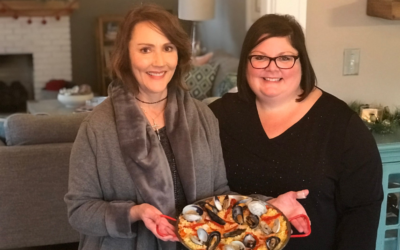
x: 196, y: 10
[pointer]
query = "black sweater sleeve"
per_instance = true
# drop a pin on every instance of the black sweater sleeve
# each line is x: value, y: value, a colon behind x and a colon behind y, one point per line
x: 359, y: 195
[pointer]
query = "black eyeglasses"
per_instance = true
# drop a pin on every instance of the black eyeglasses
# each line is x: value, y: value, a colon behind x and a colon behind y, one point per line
x: 282, y: 62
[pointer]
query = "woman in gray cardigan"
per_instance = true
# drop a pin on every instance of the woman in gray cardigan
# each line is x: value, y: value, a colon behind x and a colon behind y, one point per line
x: 149, y: 148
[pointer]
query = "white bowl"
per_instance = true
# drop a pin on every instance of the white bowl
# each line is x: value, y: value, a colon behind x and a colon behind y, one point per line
x: 73, y: 101
x: 95, y: 101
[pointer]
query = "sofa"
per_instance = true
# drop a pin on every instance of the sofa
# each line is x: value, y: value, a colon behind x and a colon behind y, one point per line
x: 34, y: 153
x: 213, y: 77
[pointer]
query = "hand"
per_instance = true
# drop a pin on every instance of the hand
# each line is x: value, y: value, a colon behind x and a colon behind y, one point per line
x: 290, y: 207
x: 151, y: 218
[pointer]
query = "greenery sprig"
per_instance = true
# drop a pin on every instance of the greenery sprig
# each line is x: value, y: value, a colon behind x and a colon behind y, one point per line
x: 386, y: 125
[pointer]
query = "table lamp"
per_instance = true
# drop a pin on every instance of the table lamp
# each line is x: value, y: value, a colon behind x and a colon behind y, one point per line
x: 196, y: 10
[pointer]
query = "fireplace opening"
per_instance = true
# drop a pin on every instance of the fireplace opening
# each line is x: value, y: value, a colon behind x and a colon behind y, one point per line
x: 16, y: 82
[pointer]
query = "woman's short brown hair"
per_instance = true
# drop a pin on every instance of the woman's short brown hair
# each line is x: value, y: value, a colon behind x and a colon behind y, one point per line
x: 273, y: 25
x: 168, y: 24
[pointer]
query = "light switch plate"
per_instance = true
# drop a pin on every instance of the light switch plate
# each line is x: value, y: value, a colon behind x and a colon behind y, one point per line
x: 351, y: 61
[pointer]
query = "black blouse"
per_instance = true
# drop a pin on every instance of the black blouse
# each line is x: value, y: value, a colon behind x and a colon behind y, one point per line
x: 180, y: 199
x: 329, y: 151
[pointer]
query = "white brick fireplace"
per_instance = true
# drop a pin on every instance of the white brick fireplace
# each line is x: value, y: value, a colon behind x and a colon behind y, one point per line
x: 49, y: 44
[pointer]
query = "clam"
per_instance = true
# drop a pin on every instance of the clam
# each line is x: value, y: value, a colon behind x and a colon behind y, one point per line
x: 226, y: 202
x: 217, y: 203
x: 201, y: 238
x: 237, y: 214
x: 192, y: 212
x: 235, y: 245
x: 265, y: 228
x: 244, y: 201
x: 276, y: 226
x: 249, y: 241
x: 272, y: 242
x: 257, y: 207
x: 252, y: 220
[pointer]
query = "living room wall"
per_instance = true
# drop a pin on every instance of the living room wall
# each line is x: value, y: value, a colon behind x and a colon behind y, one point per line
x: 83, y: 28
x: 228, y: 29
x: 332, y: 26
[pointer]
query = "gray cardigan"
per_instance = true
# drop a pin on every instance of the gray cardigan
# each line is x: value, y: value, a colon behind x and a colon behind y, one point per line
x: 102, y: 189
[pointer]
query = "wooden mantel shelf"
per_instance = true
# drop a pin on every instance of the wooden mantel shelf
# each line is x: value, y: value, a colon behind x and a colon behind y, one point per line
x: 387, y: 9
x: 37, y: 8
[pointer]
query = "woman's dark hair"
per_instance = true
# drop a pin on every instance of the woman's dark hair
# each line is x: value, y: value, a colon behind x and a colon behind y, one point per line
x: 268, y: 26
x: 170, y: 27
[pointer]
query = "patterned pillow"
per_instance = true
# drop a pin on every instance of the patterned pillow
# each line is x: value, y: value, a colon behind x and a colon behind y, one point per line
x: 201, y: 79
x: 229, y: 82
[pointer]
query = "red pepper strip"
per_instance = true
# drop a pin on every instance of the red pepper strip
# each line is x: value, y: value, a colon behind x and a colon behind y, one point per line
x: 215, y: 223
x: 230, y: 222
x: 233, y: 228
x: 256, y: 247
x: 182, y: 233
x: 308, y: 226
x: 233, y: 201
x: 228, y: 211
x: 194, y: 225
x: 268, y: 219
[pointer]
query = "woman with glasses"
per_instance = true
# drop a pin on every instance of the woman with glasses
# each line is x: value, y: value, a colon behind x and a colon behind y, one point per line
x: 280, y: 132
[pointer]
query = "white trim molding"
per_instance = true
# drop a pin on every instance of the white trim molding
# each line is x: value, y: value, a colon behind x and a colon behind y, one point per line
x: 258, y: 8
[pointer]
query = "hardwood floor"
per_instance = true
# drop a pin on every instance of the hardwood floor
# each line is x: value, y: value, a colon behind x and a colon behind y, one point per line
x: 69, y: 246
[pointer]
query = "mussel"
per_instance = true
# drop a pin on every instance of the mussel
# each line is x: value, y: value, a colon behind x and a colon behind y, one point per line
x: 252, y: 220
x: 211, y: 207
x: 213, y: 215
x: 244, y: 201
x: 249, y: 241
x: 272, y: 242
x: 234, y: 233
x: 214, y: 239
x: 237, y: 214
x: 192, y: 212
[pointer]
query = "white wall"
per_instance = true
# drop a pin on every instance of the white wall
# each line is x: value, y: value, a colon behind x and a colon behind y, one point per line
x: 227, y: 30
x: 333, y: 26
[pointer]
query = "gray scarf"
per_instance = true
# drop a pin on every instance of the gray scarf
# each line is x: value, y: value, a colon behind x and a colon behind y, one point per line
x: 143, y: 153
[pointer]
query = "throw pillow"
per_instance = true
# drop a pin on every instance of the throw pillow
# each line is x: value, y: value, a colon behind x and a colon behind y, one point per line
x: 201, y: 60
x: 201, y: 79
x: 229, y: 82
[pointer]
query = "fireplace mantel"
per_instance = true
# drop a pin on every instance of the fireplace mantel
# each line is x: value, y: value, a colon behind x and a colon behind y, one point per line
x: 37, y: 8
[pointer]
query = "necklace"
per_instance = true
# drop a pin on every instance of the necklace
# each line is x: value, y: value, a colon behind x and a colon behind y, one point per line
x: 155, y: 126
x: 151, y: 102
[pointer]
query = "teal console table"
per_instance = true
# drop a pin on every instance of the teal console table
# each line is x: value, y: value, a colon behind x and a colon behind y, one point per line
x: 389, y: 224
